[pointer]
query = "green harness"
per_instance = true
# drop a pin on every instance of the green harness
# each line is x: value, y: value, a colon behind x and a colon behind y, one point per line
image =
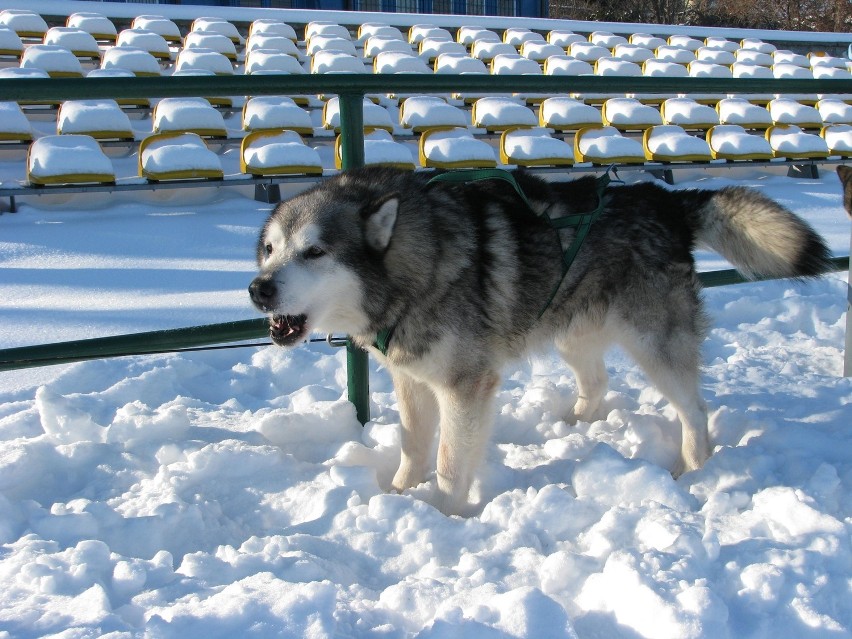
x: 581, y: 221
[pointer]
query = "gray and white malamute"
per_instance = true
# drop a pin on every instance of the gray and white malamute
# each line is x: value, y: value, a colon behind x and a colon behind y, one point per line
x: 451, y: 280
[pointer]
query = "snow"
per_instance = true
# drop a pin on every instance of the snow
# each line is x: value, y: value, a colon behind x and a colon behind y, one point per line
x: 52, y: 59
x: 204, y: 59
x: 174, y: 153
x: 671, y: 143
x: 629, y: 113
x: 838, y: 137
x: 790, y: 140
x: 497, y: 113
x: 272, y: 27
x: 181, y: 114
x: 272, y: 61
x: 57, y: 155
x: 266, y: 40
x: 786, y: 111
x: 275, y: 112
x: 423, y: 112
x: 233, y: 493
x: 95, y: 23
x: 208, y: 40
x: 600, y: 144
x: 733, y: 140
x: 525, y: 145
x: 158, y: 24
x: 74, y: 39
x: 514, y: 64
x: 740, y: 111
x: 149, y: 41
x: 131, y: 59
x: 87, y: 116
x: 10, y: 42
x: 23, y: 22
x: 687, y: 113
x: 454, y: 145
x: 280, y: 149
x: 567, y: 113
x: 15, y: 124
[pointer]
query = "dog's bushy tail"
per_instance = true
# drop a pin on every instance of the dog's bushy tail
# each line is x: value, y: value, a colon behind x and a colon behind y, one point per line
x: 759, y: 236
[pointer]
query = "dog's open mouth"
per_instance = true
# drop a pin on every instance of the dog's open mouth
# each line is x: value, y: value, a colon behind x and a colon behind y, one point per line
x: 286, y: 330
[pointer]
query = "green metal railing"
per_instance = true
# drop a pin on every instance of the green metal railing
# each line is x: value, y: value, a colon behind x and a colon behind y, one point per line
x: 351, y: 90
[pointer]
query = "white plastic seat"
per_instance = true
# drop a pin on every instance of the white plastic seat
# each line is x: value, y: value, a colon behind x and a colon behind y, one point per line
x: 265, y: 153
x: 159, y: 25
x: 375, y: 116
x: 57, y: 62
x: 192, y: 115
x: 421, y: 113
x: 100, y: 119
x: 149, y: 41
x: 264, y: 113
x: 27, y: 24
x: 177, y: 156
x: 380, y: 149
x: 733, y: 142
x: 567, y: 114
x: 606, y: 145
x: 498, y: 114
x: 81, y: 43
x: 670, y: 143
x: 68, y: 159
x: 454, y: 149
x: 213, y: 41
x: 534, y: 147
x: 791, y: 142
x: 629, y: 114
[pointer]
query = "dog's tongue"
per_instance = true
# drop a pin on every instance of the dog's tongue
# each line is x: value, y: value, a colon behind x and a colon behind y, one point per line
x: 286, y: 329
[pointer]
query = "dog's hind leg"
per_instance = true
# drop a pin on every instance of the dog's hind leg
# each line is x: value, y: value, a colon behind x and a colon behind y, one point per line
x: 584, y: 355
x: 418, y: 410
x: 466, y: 418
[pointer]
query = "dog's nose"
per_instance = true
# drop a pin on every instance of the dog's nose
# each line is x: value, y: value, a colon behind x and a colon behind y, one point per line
x: 262, y: 291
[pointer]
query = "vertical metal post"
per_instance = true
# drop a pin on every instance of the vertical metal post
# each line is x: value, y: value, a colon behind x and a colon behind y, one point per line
x: 352, y: 156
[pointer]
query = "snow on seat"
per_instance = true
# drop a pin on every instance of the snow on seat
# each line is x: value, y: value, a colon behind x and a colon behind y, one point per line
x: 376, y: 44
x: 629, y: 114
x: 685, y: 42
x: 14, y: 125
x: 749, y: 70
x: 375, y: 116
x: 327, y: 28
x: 485, y: 50
x: 177, y: 156
x: 454, y: 148
x: 540, y: 51
x: 567, y: 114
x: 214, y: 41
x: 81, y: 43
x: 755, y: 44
x: 787, y: 111
x: 838, y: 138
x: 458, y: 64
x: 733, y: 142
x: 606, y: 145
x: 563, y: 38
x: 278, y: 152
x: 534, y: 147
x: 467, y: 35
x: 218, y: 26
x: 399, y: 62
x: 117, y: 72
x: 27, y: 24
x: 158, y: 24
x: 824, y: 72
x: 679, y: 55
x: 96, y: 24
x: 10, y: 44
x: 670, y: 143
x: 791, y: 142
x: 100, y: 119
x: 369, y: 30
x: 606, y: 39
x: 702, y: 69
x: 751, y: 56
x: 68, y: 159
x: 140, y: 63
x: 431, y: 48
x: 336, y: 62
x: 149, y: 41
x: 715, y: 56
x: 265, y: 113
x: 421, y: 113
x: 517, y: 36
x: 786, y: 70
x: 567, y: 65
x: 514, y: 64
x: 272, y: 27
x: 656, y: 68
x: 271, y: 42
x: 204, y: 60
x: 193, y: 115
x: 646, y: 40
x: 498, y: 114
x: 632, y: 53
x: 718, y: 42
x: 419, y: 32
x: 688, y: 114
x: 380, y: 149
x: 58, y: 62
x: 834, y: 111
x: 260, y: 61
x: 587, y: 51
x: 322, y: 42
x: 782, y: 56
x: 743, y: 113
x: 616, y: 67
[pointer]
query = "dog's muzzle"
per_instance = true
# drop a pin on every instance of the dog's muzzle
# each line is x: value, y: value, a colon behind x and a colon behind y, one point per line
x: 263, y: 291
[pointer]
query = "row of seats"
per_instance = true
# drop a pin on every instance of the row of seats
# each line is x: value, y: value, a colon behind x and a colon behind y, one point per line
x: 105, y: 120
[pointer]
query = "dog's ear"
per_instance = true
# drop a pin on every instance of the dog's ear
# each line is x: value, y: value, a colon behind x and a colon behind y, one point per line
x: 845, y: 175
x: 381, y: 218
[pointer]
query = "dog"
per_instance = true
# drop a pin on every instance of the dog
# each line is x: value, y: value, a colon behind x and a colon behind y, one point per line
x: 458, y: 278
x: 845, y: 175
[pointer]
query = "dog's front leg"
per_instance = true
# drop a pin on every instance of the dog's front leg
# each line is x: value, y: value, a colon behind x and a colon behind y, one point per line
x: 418, y: 410
x: 466, y: 418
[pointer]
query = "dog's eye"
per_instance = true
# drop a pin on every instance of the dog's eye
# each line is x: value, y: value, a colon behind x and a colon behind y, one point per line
x: 268, y: 249
x: 313, y: 252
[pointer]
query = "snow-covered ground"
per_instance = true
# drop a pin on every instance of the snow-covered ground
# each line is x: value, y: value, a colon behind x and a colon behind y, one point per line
x: 234, y: 494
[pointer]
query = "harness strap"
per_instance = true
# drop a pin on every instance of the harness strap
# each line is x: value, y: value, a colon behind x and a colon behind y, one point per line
x: 582, y: 222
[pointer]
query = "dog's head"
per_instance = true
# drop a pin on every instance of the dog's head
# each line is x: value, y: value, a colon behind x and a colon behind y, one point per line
x: 845, y: 175
x: 316, y: 254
